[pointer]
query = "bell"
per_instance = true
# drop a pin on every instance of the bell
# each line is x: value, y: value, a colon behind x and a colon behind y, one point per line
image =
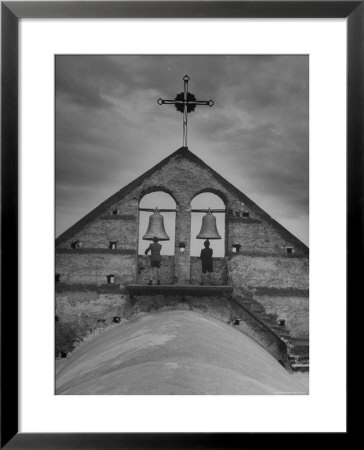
x: 208, y: 228
x: 156, y: 228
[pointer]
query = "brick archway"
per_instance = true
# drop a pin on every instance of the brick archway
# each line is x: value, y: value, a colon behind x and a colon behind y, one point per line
x: 163, y: 199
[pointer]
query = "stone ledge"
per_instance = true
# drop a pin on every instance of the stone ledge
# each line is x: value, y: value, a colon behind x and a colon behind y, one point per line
x: 101, y: 289
x: 104, y: 251
x: 300, y: 341
x: 176, y: 289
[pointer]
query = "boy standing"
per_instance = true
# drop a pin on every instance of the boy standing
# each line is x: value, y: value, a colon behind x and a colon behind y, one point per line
x: 155, y: 259
x: 206, y: 258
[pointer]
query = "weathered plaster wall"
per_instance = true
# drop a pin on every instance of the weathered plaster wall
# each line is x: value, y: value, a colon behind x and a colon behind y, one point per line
x: 79, y: 312
x: 219, y: 274
x: 82, y: 311
x: 122, y: 229
x: 255, y: 235
x: 293, y: 310
x: 279, y: 284
x: 269, y: 271
x: 91, y: 268
x: 166, y: 270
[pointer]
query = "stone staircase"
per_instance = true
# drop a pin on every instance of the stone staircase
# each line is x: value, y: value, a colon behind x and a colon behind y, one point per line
x: 297, y: 350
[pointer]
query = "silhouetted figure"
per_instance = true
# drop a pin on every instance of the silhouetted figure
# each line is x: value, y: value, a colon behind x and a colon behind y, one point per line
x: 206, y: 258
x: 155, y: 259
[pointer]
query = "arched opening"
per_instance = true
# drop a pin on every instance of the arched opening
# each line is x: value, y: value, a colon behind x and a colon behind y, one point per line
x: 162, y: 201
x: 199, y: 205
x: 166, y: 206
x: 203, y: 202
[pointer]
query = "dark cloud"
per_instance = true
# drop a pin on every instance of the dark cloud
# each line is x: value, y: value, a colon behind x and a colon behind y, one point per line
x: 109, y: 128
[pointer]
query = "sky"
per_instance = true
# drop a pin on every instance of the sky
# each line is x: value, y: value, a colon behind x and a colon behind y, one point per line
x: 110, y: 129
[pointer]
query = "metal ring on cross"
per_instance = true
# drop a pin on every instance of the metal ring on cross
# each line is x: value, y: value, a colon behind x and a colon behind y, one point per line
x: 180, y: 98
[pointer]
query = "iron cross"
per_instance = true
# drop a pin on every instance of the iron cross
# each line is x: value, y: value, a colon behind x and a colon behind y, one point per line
x: 185, y: 102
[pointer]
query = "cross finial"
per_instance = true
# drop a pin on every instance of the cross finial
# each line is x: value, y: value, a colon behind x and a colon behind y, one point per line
x: 185, y: 102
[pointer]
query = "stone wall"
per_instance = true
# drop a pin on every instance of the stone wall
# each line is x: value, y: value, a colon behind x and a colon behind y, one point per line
x: 256, y: 236
x: 258, y: 233
x: 121, y: 228
x: 269, y: 271
x: 166, y: 270
x: 262, y: 260
x: 219, y: 274
x: 294, y: 310
x: 81, y: 267
x: 279, y: 284
x: 83, y: 311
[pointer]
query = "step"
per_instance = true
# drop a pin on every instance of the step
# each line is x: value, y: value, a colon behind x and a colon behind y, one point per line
x: 276, y: 329
x: 300, y: 367
x: 285, y: 337
x: 268, y: 318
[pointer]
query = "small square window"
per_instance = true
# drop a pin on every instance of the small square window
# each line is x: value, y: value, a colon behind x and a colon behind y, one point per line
x: 112, y: 245
x: 58, y: 277
x: 245, y: 214
x: 76, y: 244
x: 289, y: 250
x: 182, y: 247
x: 110, y: 279
x: 115, y: 212
x: 236, y: 248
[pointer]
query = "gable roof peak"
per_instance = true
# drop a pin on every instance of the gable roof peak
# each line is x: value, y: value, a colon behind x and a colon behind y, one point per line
x: 183, y: 152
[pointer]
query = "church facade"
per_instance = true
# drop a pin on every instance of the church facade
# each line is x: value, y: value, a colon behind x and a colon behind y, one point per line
x: 265, y: 266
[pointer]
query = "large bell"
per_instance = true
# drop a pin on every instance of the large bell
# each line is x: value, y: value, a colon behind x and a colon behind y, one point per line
x: 208, y: 228
x: 156, y: 228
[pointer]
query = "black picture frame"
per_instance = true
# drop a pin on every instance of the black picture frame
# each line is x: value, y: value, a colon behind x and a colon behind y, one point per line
x: 11, y: 13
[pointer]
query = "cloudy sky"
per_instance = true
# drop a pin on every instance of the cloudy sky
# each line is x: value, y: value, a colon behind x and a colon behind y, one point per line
x: 110, y: 129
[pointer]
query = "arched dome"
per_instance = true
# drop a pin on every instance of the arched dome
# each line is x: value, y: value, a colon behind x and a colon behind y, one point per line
x: 173, y: 352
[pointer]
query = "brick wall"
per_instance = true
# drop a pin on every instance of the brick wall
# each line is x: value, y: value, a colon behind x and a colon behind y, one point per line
x: 269, y: 271
x: 92, y: 268
x: 256, y: 234
x: 261, y: 263
x: 122, y: 229
x: 294, y: 310
x: 166, y: 270
x: 219, y: 274
x: 83, y: 311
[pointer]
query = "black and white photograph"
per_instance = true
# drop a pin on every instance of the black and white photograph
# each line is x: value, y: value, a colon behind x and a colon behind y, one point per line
x: 182, y: 224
